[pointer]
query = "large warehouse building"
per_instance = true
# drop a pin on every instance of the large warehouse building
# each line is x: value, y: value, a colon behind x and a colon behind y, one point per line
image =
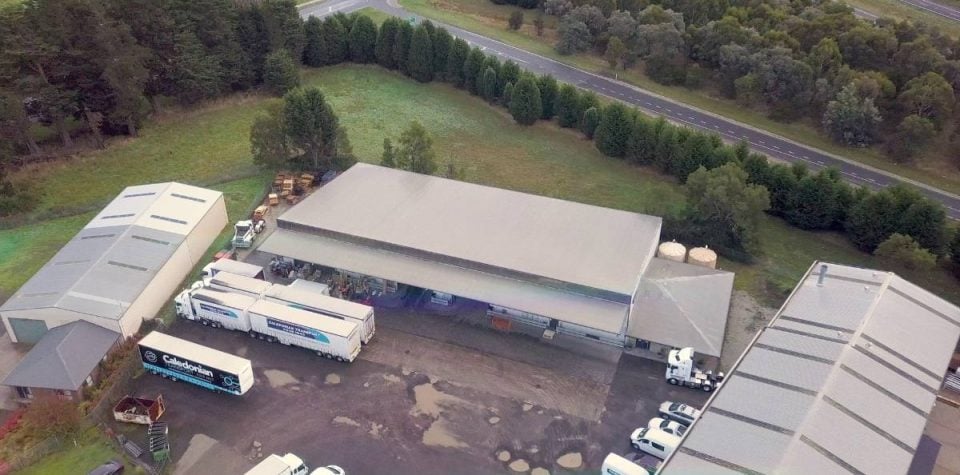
x: 123, y: 265
x: 568, y: 267
x: 842, y: 380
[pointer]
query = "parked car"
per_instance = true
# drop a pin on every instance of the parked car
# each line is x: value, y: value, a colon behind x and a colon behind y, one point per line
x: 111, y: 467
x: 670, y: 427
x: 328, y: 470
x: 681, y: 413
x: 654, y: 442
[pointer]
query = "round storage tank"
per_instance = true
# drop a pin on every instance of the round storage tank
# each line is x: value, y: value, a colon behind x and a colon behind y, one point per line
x: 702, y: 256
x: 672, y: 250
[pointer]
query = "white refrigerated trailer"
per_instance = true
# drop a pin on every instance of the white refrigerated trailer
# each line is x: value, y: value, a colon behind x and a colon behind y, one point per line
x: 235, y: 267
x: 326, y: 305
x: 329, y: 337
x: 215, y: 308
x: 237, y: 283
x: 182, y: 360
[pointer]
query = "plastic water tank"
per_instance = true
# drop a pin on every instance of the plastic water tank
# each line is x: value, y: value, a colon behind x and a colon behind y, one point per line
x: 702, y: 256
x: 672, y: 250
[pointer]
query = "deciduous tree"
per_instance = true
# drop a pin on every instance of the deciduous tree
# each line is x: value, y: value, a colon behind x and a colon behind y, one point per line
x: 415, y: 150
x: 733, y: 208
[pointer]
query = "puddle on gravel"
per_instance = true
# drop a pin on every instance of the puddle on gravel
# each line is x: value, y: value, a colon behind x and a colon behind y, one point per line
x: 438, y: 435
x: 429, y: 400
x: 573, y: 460
x: 332, y: 378
x: 278, y: 378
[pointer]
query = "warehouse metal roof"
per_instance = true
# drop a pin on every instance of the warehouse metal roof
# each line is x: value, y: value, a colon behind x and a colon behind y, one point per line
x: 64, y: 357
x: 106, y: 265
x: 682, y: 305
x: 488, y: 229
x: 841, y: 381
x: 520, y: 295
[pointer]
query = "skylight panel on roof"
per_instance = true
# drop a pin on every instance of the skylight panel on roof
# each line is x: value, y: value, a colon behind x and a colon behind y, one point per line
x: 191, y: 198
x: 155, y: 241
x: 166, y: 218
x: 97, y: 236
x: 113, y: 216
x: 128, y: 266
x: 134, y: 195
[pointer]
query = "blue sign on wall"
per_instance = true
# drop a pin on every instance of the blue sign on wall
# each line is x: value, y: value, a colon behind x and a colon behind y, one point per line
x: 298, y: 330
x: 217, y: 310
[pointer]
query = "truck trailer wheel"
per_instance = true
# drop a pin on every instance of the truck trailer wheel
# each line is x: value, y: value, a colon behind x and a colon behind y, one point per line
x: 673, y: 381
x: 707, y: 388
x: 252, y: 334
x: 328, y: 356
x: 340, y: 359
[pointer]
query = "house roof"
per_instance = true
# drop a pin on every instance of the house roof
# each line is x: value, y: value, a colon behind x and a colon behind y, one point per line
x: 106, y: 265
x: 682, y: 305
x: 842, y: 380
x: 64, y: 357
x: 489, y: 229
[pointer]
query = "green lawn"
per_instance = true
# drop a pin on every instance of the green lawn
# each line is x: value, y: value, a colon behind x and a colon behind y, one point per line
x: 490, y: 20
x: 92, y: 450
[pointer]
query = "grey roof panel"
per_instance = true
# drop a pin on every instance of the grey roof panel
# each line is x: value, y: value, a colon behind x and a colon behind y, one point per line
x: 571, y: 242
x: 873, y: 405
x: 767, y: 403
x: 801, y: 344
x: 64, y: 357
x: 682, y: 305
x: 737, y: 442
x: 871, y: 370
x: 809, y: 375
x: 690, y: 464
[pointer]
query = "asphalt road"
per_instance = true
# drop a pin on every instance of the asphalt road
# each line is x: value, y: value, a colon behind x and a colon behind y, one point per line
x: 772, y: 145
x: 935, y: 8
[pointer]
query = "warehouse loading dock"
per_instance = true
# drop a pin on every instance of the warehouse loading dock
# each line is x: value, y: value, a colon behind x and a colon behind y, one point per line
x: 566, y: 267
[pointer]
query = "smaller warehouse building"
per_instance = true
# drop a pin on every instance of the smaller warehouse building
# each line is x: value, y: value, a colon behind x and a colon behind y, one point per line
x: 123, y: 265
x: 567, y: 268
x: 842, y: 380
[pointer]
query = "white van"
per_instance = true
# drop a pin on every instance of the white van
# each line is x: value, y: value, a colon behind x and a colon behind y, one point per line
x: 617, y: 465
x: 654, y: 442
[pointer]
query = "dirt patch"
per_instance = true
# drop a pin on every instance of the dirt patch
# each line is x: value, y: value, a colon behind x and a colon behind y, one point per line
x: 439, y: 435
x: 392, y: 378
x: 375, y: 430
x: 519, y: 465
x: 503, y: 456
x: 746, y: 318
x: 540, y: 471
x: 279, y: 379
x: 493, y: 420
x: 332, y: 378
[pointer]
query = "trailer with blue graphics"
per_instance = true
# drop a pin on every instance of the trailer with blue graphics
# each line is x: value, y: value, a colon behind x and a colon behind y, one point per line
x: 181, y: 360
x: 328, y: 337
x: 215, y: 308
x: 325, y: 305
x: 236, y: 283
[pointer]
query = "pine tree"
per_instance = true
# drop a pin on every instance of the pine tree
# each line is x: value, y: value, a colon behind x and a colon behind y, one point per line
x: 442, y: 43
x: 459, y: 51
x: 589, y: 121
x: 548, y: 95
x: 363, y: 40
x: 284, y: 26
x: 613, y: 131
x: 401, y: 46
x: 314, y: 53
x: 280, y: 73
x: 641, y: 141
x: 420, y: 61
x: 334, y: 34
x: 815, y: 203
x: 313, y: 129
x: 525, y: 105
x: 472, y: 68
x: 507, y: 95
x: 567, y: 106
x: 386, y: 40
x: 388, y: 159
x: 488, y: 85
x: 509, y: 72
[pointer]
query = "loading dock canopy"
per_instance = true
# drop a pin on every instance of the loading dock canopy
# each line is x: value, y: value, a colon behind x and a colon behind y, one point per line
x: 64, y: 357
x: 590, y: 312
x: 841, y: 381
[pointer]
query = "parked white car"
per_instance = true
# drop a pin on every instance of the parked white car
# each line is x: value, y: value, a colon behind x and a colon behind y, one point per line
x: 328, y: 470
x: 654, y: 442
x: 681, y: 413
x: 670, y: 427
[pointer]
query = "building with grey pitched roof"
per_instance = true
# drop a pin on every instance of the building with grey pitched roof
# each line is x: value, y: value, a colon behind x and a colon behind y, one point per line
x: 64, y: 361
x: 570, y: 267
x: 123, y: 265
x: 842, y: 380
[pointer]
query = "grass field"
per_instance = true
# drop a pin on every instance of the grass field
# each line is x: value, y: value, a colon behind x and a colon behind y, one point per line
x: 91, y: 451
x: 901, y: 11
x: 490, y: 20
x: 374, y: 104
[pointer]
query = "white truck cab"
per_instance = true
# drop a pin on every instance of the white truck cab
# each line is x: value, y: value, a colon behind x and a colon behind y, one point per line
x: 617, y: 465
x: 273, y: 464
x: 654, y: 442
